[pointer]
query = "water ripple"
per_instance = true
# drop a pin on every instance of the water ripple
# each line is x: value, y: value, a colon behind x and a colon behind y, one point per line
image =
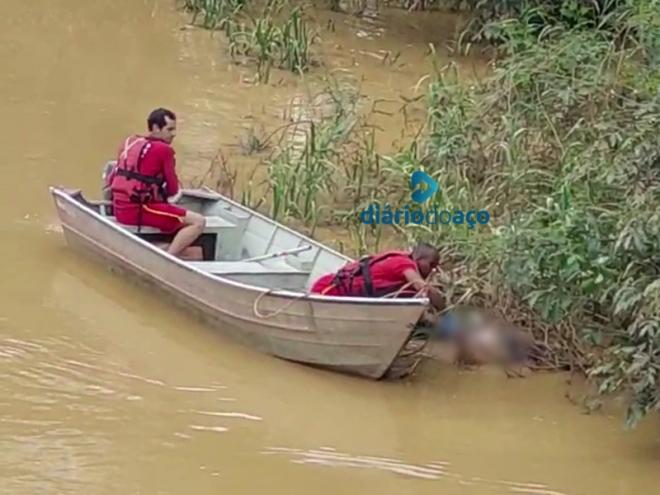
x: 330, y: 457
x: 231, y: 415
x: 218, y: 429
x: 436, y: 470
x: 200, y: 389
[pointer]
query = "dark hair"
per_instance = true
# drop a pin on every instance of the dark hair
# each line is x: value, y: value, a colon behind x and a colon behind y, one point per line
x: 157, y: 117
x: 425, y: 250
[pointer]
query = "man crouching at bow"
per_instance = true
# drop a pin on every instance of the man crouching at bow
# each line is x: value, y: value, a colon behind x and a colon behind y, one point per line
x: 393, y: 273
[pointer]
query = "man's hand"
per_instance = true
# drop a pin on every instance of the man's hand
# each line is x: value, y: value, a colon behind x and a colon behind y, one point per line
x: 175, y: 198
x: 436, y: 298
x: 418, y: 283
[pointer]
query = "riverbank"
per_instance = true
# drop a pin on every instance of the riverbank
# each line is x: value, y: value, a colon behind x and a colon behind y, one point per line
x: 549, y: 142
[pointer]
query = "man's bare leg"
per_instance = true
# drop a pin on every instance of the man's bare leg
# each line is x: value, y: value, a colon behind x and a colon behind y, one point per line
x: 191, y: 253
x: 193, y: 228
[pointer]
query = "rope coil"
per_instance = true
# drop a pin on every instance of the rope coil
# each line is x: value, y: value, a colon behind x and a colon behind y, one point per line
x: 255, y: 305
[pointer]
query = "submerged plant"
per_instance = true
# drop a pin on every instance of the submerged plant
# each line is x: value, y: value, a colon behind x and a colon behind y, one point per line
x: 213, y: 12
x: 288, y: 46
x: 261, y: 38
x: 305, y: 167
x: 296, y: 41
x: 261, y: 41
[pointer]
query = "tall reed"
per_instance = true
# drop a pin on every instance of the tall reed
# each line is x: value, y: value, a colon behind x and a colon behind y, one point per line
x: 214, y: 12
x: 262, y: 38
x: 296, y: 41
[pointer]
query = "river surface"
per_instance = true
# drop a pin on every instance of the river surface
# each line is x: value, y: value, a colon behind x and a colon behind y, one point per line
x: 105, y: 389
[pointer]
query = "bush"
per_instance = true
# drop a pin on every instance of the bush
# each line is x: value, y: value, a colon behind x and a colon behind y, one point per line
x: 562, y: 143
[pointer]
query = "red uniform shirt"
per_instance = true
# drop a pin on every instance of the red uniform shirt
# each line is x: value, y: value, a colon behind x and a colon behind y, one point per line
x: 158, y: 213
x: 387, y: 273
x: 158, y: 160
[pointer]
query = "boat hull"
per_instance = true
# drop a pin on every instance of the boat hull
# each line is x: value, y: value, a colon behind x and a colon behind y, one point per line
x: 355, y: 337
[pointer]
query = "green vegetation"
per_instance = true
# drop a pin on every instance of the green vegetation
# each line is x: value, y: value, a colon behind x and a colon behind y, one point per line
x: 260, y: 37
x: 560, y: 143
x: 304, y: 167
x: 214, y: 13
x: 296, y: 40
x: 267, y: 43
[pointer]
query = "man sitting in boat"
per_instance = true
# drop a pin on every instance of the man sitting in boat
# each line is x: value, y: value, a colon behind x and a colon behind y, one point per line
x: 393, y: 273
x: 144, y: 183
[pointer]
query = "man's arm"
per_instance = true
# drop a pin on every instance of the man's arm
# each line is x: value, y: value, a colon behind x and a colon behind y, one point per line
x: 418, y: 284
x: 169, y: 172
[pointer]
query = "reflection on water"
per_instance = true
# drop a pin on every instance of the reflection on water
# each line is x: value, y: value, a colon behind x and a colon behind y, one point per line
x: 106, y: 389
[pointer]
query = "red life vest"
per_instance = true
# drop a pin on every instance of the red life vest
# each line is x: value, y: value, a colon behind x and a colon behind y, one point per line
x: 346, y: 276
x: 126, y: 180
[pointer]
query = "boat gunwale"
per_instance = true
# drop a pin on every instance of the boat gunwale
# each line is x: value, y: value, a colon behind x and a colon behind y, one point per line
x: 61, y: 192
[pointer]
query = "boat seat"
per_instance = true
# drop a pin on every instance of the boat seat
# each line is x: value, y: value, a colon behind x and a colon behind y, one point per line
x: 276, y: 276
x: 214, y: 225
x: 236, y: 267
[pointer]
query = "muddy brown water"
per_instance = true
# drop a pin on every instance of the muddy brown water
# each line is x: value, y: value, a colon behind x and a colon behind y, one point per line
x: 106, y: 389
